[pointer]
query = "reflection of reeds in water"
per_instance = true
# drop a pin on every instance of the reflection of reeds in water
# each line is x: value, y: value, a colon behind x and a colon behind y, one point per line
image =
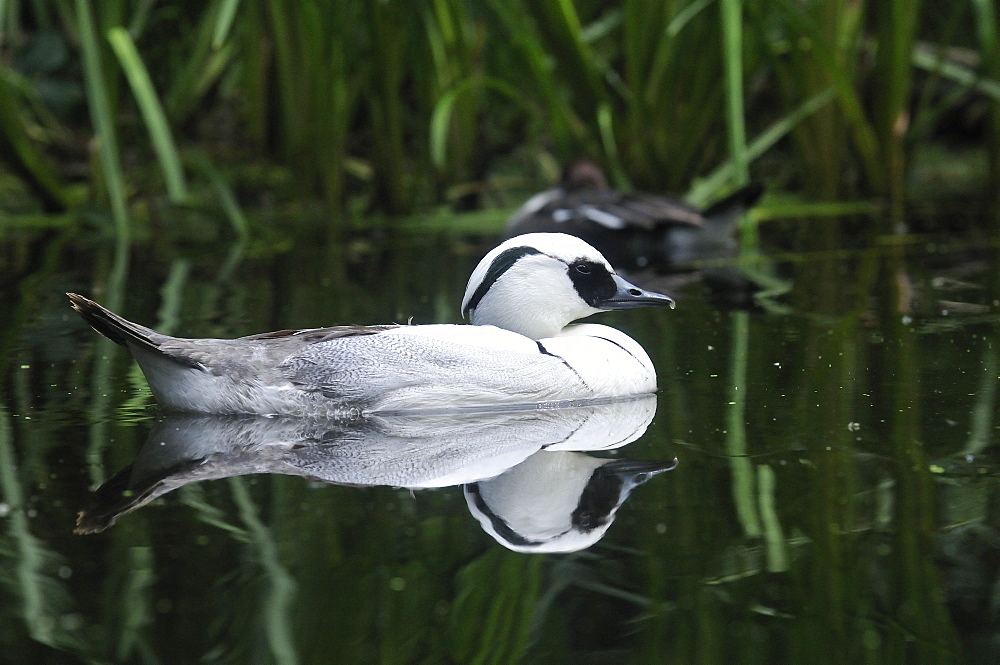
x: 101, y: 394
x: 275, y: 602
x: 32, y: 571
x: 918, y: 585
x: 387, y: 572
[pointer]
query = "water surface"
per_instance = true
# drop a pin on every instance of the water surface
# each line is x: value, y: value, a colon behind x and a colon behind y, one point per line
x: 835, y: 498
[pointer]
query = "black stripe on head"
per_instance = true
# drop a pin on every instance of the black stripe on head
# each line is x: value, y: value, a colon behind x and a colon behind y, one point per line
x: 500, y: 265
x: 599, y: 498
x: 499, y: 525
x: 592, y: 281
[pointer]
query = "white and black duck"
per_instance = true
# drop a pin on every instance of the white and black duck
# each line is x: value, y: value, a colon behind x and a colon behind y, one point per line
x: 557, y: 501
x: 521, y: 348
x: 527, y: 480
x: 634, y: 230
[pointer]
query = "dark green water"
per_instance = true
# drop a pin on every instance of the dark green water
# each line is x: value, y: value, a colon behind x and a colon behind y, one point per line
x: 835, y: 498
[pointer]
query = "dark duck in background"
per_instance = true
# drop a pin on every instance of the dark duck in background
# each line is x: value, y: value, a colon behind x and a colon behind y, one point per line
x: 635, y: 230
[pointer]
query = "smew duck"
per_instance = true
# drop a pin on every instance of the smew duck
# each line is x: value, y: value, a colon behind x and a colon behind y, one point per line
x: 634, y: 230
x: 557, y: 501
x: 415, y: 451
x: 521, y: 348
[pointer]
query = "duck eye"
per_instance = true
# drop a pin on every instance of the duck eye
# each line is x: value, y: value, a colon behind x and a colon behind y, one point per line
x: 582, y: 268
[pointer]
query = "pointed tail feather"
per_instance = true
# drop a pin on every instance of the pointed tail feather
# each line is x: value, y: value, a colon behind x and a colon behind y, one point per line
x: 111, y: 500
x: 114, y: 327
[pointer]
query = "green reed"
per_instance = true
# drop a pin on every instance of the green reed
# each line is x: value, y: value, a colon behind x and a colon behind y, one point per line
x: 397, y: 107
x: 987, y: 35
x: 101, y: 102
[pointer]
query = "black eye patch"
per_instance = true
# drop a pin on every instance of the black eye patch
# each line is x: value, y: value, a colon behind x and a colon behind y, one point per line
x: 500, y: 265
x: 592, y: 281
x: 599, y: 498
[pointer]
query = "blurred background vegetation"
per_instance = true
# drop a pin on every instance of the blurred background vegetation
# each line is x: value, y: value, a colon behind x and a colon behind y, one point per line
x: 241, y: 113
x: 124, y: 120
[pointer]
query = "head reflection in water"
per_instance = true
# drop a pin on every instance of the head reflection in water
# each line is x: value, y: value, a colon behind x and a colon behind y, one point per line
x: 525, y: 477
x: 556, y: 501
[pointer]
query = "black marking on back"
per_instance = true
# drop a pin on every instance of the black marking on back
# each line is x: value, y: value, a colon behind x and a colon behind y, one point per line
x: 592, y: 281
x: 611, y: 341
x: 499, y: 525
x: 500, y: 265
x: 315, y: 335
x: 546, y: 352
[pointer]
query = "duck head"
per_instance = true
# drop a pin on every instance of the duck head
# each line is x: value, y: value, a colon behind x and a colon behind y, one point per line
x: 583, y: 174
x: 536, y: 284
x: 557, y: 501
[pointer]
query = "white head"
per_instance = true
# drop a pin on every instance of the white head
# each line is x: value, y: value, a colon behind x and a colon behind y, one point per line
x: 556, y: 501
x: 536, y: 284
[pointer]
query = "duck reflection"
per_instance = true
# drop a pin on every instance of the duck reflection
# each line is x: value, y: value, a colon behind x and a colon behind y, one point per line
x: 556, y: 501
x: 526, y: 474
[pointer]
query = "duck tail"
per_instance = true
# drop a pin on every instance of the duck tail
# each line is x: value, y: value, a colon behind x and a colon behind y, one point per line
x: 118, y: 330
x: 119, y: 495
x: 111, y: 500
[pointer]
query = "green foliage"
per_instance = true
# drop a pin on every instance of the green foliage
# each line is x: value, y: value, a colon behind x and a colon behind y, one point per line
x: 400, y: 106
x: 503, y: 604
x: 152, y: 112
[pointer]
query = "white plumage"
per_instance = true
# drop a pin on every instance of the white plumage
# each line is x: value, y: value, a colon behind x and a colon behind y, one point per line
x: 521, y: 349
x: 412, y: 450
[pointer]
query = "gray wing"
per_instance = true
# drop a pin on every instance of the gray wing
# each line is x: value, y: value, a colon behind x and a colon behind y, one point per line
x: 390, y: 372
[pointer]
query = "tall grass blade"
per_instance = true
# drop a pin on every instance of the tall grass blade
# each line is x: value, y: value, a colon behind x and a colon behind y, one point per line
x: 774, y: 537
x: 967, y: 78
x: 226, y: 197
x: 105, y: 353
x: 202, y: 68
x: 736, y: 430
x: 276, y: 609
x: 672, y: 72
x: 152, y: 112
x: 538, y: 78
x: 560, y: 22
x: 732, y: 41
x: 732, y: 47
x: 41, y: 595
x: 100, y: 111
x: 224, y: 22
x: 445, y: 106
x: 989, y: 46
x: 139, y: 20
x: 831, y: 54
x: 685, y: 15
x: 15, y: 138
x: 708, y: 187
x: 606, y: 128
x: 981, y: 425
x: 896, y: 25
x: 135, y: 600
